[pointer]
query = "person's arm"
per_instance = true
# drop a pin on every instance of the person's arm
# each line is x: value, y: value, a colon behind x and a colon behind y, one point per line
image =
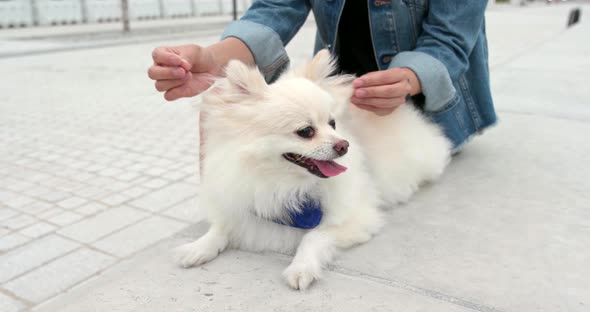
x: 266, y: 28
x: 230, y: 49
x: 185, y: 71
x: 449, y: 33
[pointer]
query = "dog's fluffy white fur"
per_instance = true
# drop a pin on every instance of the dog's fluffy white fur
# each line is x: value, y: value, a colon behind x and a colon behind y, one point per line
x: 246, y: 182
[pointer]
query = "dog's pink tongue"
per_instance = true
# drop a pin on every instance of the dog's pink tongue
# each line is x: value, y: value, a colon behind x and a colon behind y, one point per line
x: 329, y: 168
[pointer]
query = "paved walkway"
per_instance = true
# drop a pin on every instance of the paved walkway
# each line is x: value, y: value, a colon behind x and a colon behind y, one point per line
x: 98, y: 179
x: 41, y: 40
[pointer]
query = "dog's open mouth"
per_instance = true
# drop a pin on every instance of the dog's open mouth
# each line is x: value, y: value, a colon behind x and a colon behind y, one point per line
x: 320, y: 168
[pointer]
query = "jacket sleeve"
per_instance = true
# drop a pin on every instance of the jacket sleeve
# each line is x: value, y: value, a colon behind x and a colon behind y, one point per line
x: 449, y: 33
x: 266, y: 28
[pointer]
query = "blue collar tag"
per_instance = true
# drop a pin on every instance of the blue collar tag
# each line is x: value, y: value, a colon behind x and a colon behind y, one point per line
x: 309, y: 216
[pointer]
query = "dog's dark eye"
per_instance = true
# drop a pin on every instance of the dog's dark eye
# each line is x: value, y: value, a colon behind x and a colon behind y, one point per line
x: 332, y: 124
x: 306, y: 132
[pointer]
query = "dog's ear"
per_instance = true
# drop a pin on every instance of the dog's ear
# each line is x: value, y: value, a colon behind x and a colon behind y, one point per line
x: 241, y: 82
x: 322, y: 70
x: 321, y: 67
x: 244, y: 79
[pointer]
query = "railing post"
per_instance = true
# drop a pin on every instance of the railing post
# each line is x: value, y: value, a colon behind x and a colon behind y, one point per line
x: 161, y: 7
x: 235, y: 8
x: 84, y: 10
x: 125, y: 15
x: 34, y: 12
x: 193, y: 8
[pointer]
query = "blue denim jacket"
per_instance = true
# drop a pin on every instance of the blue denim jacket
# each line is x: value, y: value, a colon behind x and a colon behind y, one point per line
x: 443, y: 42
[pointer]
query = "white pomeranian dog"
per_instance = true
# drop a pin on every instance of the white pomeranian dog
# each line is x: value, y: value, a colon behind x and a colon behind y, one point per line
x: 294, y: 167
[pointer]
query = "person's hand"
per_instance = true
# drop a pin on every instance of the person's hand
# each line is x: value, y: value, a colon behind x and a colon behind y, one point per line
x: 383, y: 91
x: 183, y: 71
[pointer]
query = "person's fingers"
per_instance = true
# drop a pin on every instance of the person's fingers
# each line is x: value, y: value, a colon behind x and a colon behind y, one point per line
x: 378, y: 78
x: 378, y: 111
x: 378, y: 102
x: 194, y: 84
x: 156, y: 72
x: 165, y: 85
x: 167, y: 57
x: 185, y: 65
x: 176, y: 93
x: 187, y: 89
x: 384, y: 91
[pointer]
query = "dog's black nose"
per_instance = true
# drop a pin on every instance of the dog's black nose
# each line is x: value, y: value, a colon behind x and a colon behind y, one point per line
x: 341, y: 147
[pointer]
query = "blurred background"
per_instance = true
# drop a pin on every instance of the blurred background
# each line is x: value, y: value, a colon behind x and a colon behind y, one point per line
x: 27, y: 13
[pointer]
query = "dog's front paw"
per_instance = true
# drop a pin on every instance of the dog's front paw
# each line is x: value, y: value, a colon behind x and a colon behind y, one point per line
x: 194, y: 254
x: 301, y: 275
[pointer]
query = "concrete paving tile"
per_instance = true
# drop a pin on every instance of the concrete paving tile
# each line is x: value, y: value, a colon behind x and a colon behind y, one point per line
x: 9, y: 304
x: 59, y: 275
x: 54, y: 196
x: 193, y: 179
x: 136, y: 191
x: 65, y: 218
x: 33, y: 255
x: 38, y: 229
x: 37, y: 190
x: 165, y: 197
x: 4, y: 231
x: 92, y: 192
x: 117, y: 186
x: 563, y: 101
x: 158, y: 285
x: 115, y: 199
x: 19, y: 221
x: 72, y: 202
x: 128, y: 176
x: 174, y: 175
x: 138, y: 167
x: 37, y: 207
x: 155, y: 171
x: 155, y: 183
x: 6, y: 213
x: 93, y: 228
x: 111, y: 172
x: 16, y: 201
x: 15, y: 185
x: 91, y: 208
x: 12, y: 240
x: 188, y: 211
x: 503, y: 243
x: 46, y: 214
x: 139, y: 236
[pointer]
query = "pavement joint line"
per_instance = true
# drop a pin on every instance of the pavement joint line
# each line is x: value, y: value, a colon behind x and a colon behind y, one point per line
x: 110, y: 233
x: 28, y: 304
x: 95, y: 274
x: 41, y: 265
x: 150, y: 214
x: 576, y: 120
x: 415, y: 289
x: 395, y: 284
x: 546, y: 70
x: 160, y: 213
x: 117, y: 260
x: 87, y: 245
x: 530, y: 48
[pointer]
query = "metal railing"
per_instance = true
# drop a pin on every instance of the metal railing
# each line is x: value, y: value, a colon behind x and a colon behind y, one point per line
x: 25, y: 13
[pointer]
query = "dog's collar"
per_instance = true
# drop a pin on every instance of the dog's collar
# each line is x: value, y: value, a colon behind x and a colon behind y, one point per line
x: 308, y: 217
